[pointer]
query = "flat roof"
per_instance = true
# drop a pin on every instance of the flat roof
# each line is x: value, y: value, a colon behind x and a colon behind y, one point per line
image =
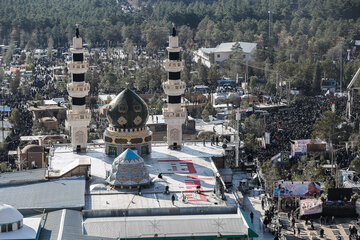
x: 182, y: 171
x: 47, y: 107
x: 22, y: 177
x: 64, y: 224
x: 30, y: 138
x: 187, y: 226
x: 55, y: 194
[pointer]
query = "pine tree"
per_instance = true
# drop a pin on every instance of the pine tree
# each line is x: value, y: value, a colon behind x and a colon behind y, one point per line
x: 316, y: 82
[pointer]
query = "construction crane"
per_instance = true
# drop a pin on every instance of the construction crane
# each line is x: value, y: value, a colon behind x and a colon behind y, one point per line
x: 350, y: 90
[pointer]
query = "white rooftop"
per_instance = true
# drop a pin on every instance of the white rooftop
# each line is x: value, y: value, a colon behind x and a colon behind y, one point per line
x: 247, y: 47
x: 167, y: 226
x: 49, y: 102
x: 182, y: 171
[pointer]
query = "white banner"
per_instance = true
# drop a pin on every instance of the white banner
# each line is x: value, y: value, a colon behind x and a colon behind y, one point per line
x: 310, y: 206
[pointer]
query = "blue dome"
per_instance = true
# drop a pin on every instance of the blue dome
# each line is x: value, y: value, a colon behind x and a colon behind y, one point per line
x: 128, y: 170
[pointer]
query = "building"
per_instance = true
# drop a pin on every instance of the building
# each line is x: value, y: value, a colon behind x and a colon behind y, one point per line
x: 127, y: 115
x: 174, y: 114
x: 222, y: 52
x: 78, y: 116
x: 49, y: 123
x: 32, y: 156
x: 45, y: 111
x: 173, y: 191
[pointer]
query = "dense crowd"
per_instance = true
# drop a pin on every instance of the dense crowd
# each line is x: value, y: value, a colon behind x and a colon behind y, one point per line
x: 296, y: 122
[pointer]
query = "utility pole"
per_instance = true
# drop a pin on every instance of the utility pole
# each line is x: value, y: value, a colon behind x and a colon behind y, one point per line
x: 341, y: 66
x: 288, y: 92
x: 270, y: 23
x: 237, y: 145
x: 277, y: 83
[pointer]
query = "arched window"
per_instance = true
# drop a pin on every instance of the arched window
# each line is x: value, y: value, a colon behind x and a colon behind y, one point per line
x: 137, y: 106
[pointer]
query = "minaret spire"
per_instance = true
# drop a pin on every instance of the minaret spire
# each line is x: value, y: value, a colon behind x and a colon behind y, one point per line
x: 77, y: 32
x: 78, y: 117
x: 173, y: 31
x: 174, y: 114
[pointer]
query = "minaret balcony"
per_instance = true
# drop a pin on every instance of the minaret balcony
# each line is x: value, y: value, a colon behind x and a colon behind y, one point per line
x: 77, y: 50
x: 173, y: 65
x: 173, y: 49
x: 78, y: 67
x: 83, y: 117
x: 78, y: 89
x: 174, y: 89
x: 180, y: 114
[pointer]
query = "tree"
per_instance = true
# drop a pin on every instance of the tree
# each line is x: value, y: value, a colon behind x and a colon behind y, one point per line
x: 208, y: 110
x: 253, y: 126
x: 2, y: 75
x: 140, y: 80
x: 129, y: 48
x: 272, y: 173
x: 14, y: 118
x: 203, y: 74
x: 327, y: 128
x: 316, y: 82
x: 110, y: 81
x: 355, y: 164
x: 93, y: 78
x: 253, y: 83
x: 236, y: 60
x: 50, y: 47
x: 213, y: 74
x: 9, y: 54
x: 186, y: 76
x: 22, y: 58
x: 270, y: 87
x: 15, y: 82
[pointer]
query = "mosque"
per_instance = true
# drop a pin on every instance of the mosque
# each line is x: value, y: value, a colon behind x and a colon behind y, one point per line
x: 133, y: 189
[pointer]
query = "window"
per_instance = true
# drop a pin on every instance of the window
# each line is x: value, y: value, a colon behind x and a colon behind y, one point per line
x: 174, y: 75
x: 78, y: 101
x: 78, y: 77
x: 174, y: 99
x: 137, y: 107
x: 174, y: 55
x: 123, y: 107
x: 3, y: 228
x: 78, y: 57
x: 218, y: 56
x: 19, y: 225
x: 10, y: 227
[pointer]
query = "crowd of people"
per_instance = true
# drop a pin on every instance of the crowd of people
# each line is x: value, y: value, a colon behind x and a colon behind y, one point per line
x: 296, y: 122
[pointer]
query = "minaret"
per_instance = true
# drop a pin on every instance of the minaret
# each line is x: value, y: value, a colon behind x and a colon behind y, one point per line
x: 174, y: 114
x: 78, y: 117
